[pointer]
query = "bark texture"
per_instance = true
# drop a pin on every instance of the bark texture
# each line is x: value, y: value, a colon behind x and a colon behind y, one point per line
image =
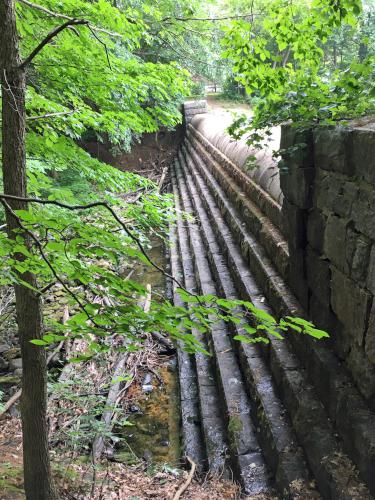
x: 37, y: 472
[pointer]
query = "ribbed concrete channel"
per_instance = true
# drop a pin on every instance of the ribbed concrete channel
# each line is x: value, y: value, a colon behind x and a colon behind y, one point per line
x: 275, y: 416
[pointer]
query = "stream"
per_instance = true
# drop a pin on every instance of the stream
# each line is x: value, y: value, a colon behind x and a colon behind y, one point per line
x: 154, y: 413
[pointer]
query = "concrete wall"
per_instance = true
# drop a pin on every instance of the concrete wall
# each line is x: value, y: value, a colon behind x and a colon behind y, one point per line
x: 263, y: 170
x: 329, y: 217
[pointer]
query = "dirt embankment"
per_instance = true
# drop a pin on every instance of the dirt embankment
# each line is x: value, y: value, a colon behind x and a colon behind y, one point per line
x: 147, y: 157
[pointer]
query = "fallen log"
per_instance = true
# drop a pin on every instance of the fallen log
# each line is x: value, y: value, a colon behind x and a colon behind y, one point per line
x: 99, y: 441
x: 159, y: 339
x: 162, y: 178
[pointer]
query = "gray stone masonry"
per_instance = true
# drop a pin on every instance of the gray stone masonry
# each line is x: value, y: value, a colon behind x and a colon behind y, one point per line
x: 329, y: 213
x: 192, y: 108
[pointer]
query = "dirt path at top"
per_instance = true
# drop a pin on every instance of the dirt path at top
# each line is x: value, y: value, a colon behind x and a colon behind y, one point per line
x: 223, y: 107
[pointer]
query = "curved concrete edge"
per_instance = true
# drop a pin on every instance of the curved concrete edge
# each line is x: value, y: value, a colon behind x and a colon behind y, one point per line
x: 265, y: 171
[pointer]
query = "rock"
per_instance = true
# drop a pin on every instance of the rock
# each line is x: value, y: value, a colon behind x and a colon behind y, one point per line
x: 334, y: 241
x: 363, y: 154
x: 134, y: 409
x: 318, y: 276
x: 125, y: 457
x: 172, y: 365
x: 13, y: 390
x: 360, y: 262
x: 294, y: 224
x: 109, y: 453
x: 4, y: 348
x: 8, y: 380
x: 147, y: 456
x: 147, y: 388
x: 351, y: 304
x: 12, y: 353
x: 15, y: 364
x: 363, y: 211
x: 18, y: 372
x: 343, y: 201
x: 363, y: 372
x: 4, y: 365
x: 331, y: 149
x: 316, y: 223
x: 148, y: 378
x: 370, y: 338
x: 371, y: 271
x: 302, y: 141
x: 296, y: 184
x: 14, y: 411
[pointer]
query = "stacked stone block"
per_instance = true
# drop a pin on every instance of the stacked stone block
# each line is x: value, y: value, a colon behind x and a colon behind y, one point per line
x: 193, y: 108
x: 329, y: 217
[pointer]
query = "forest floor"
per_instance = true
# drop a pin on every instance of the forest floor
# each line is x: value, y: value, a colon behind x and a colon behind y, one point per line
x: 127, y: 470
x: 115, y: 481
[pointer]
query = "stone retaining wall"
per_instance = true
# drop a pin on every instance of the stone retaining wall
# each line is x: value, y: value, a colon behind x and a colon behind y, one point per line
x: 329, y: 222
x: 192, y: 108
x: 324, y: 196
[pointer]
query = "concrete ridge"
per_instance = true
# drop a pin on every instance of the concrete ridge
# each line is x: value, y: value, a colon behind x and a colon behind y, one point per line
x: 287, y: 405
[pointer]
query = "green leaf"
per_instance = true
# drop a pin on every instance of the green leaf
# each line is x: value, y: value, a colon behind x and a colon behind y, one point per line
x: 38, y: 342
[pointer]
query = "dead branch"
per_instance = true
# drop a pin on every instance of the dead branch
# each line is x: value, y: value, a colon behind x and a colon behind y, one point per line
x: 162, y: 178
x: 147, y: 304
x: 159, y: 339
x: 99, y: 441
x: 114, y: 392
x: 16, y: 396
x: 186, y: 484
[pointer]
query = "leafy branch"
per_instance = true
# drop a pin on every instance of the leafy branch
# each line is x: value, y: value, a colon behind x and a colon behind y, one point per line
x: 280, y: 65
x: 64, y: 16
x: 95, y: 204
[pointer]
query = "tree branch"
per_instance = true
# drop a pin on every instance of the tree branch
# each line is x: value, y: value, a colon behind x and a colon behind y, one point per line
x: 50, y: 115
x: 49, y: 37
x: 212, y: 19
x: 63, y: 16
x: 95, y: 204
x: 44, y: 257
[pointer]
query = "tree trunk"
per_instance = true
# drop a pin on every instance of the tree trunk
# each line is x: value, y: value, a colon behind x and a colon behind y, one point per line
x: 37, y: 472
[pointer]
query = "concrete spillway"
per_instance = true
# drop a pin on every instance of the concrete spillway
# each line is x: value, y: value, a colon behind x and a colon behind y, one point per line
x: 273, y: 415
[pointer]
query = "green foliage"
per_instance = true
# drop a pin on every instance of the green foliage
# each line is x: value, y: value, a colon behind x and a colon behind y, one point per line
x: 97, y: 83
x: 282, y: 62
x: 198, y: 89
x: 86, y: 253
x: 82, y: 408
x: 232, y: 89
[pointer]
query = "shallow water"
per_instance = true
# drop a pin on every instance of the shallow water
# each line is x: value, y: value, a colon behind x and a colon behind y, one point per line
x: 154, y: 434
x: 155, y: 431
